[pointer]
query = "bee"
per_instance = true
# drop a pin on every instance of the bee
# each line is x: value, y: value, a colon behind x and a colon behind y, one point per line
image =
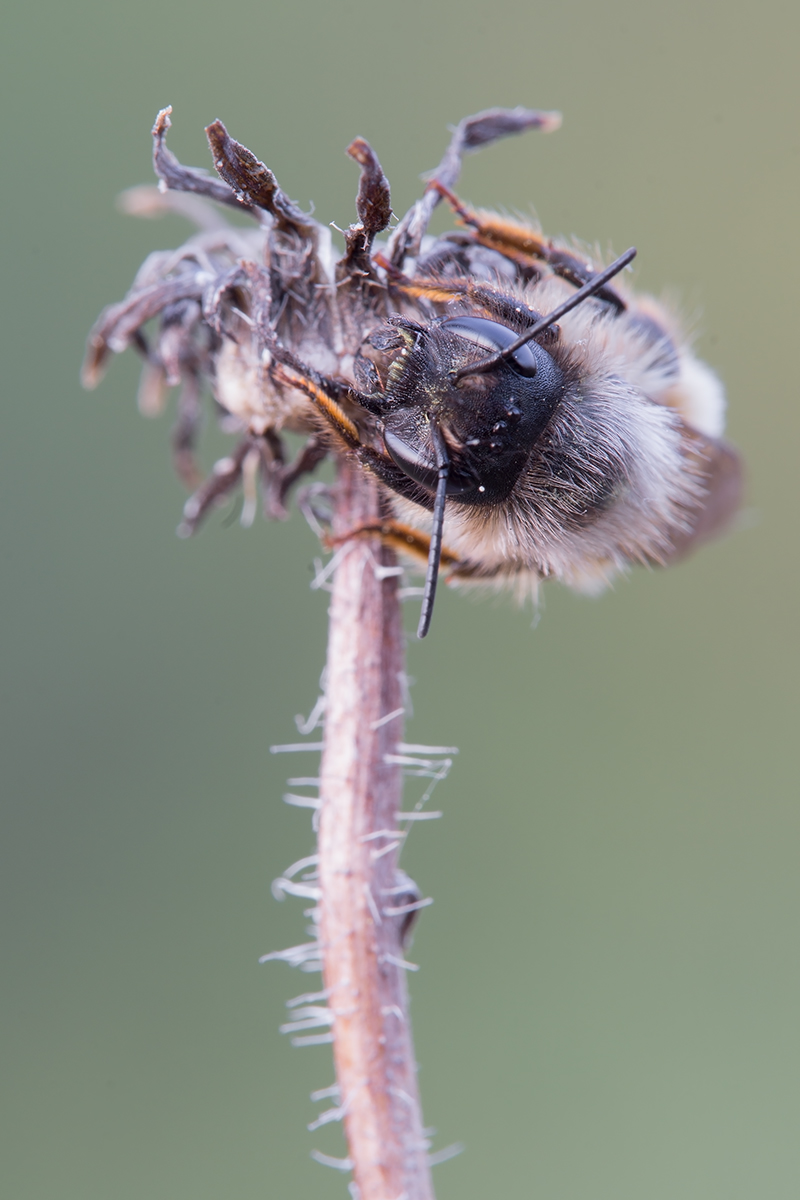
x: 527, y: 417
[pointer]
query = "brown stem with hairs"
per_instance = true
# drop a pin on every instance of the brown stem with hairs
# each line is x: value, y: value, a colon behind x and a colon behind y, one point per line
x: 361, y: 792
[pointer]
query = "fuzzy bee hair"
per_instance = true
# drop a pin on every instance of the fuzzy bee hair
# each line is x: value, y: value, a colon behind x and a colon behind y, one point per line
x: 630, y: 469
x: 582, y: 445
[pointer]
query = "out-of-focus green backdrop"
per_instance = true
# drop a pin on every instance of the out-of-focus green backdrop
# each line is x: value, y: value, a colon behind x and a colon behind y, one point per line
x: 609, y: 1000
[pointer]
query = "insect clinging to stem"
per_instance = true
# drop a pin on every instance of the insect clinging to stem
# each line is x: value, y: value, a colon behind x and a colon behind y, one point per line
x: 526, y: 417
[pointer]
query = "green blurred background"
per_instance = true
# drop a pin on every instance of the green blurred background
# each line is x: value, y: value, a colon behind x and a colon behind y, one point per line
x: 609, y: 1005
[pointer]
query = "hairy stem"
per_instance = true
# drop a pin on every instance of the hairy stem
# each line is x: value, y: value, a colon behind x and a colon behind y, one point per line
x: 361, y: 792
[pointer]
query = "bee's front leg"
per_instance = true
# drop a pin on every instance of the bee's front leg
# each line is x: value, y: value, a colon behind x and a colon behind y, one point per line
x: 326, y: 395
x: 483, y: 299
x: 527, y: 247
x: 405, y: 539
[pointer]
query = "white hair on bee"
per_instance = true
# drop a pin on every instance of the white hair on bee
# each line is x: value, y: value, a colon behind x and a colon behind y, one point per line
x: 699, y: 396
x: 619, y: 477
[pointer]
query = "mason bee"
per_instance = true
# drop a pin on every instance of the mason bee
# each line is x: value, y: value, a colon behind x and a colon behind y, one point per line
x: 528, y: 418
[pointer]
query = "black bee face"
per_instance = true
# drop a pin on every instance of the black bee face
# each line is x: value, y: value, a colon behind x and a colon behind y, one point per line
x: 489, y: 421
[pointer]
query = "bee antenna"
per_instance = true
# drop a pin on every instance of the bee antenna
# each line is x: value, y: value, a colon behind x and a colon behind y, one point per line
x: 435, y: 550
x: 583, y: 293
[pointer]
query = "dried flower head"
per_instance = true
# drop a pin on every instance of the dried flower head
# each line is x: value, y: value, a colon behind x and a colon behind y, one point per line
x: 526, y: 417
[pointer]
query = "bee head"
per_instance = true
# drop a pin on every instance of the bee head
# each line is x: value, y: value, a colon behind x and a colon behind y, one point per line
x: 489, y: 420
x: 466, y: 398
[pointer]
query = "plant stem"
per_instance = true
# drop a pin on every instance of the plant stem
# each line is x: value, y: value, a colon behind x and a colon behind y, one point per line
x: 361, y: 792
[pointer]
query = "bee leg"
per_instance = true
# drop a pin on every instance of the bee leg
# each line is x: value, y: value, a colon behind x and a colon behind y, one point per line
x: 435, y: 291
x: 527, y: 247
x: 415, y: 544
x: 405, y: 539
x: 522, y: 244
x: 326, y: 396
x: 481, y: 296
x: 329, y: 397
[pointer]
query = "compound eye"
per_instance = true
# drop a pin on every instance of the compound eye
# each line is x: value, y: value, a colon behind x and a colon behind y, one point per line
x: 493, y: 337
x: 416, y: 461
x: 411, y: 460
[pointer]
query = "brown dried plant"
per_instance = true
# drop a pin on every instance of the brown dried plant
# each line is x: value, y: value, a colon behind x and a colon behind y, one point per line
x: 587, y: 440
